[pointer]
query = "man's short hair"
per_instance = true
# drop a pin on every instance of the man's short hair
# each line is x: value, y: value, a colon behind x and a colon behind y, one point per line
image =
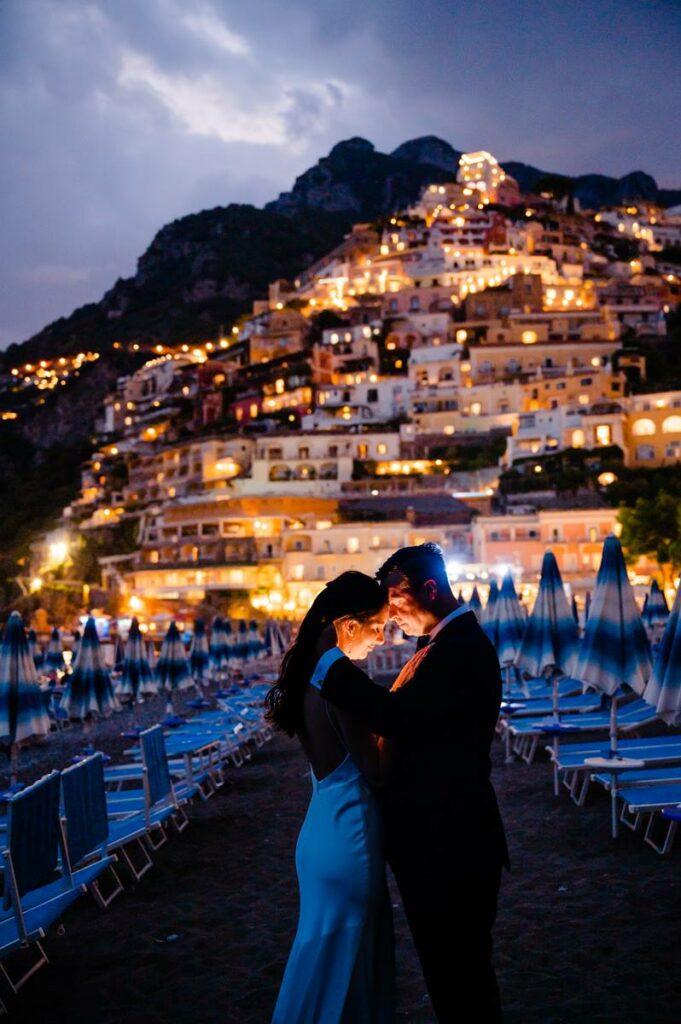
x: 415, y: 565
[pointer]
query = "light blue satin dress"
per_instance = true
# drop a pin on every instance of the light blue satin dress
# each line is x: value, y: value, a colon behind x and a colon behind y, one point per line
x: 341, y: 966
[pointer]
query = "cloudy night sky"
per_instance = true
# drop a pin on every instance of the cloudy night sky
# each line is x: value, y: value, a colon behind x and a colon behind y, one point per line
x: 117, y: 116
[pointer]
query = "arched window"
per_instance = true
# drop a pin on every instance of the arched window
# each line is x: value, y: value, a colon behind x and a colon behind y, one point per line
x: 644, y: 428
x: 672, y: 425
x: 645, y: 452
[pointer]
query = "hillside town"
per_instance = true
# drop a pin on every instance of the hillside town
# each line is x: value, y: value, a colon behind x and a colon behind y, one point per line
x: 420, y: 382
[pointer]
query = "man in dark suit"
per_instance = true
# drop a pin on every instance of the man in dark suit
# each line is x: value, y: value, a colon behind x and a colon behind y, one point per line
x: 444, y: 837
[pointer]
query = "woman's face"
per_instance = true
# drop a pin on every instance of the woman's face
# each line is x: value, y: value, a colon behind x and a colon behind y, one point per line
x: 357, y: 638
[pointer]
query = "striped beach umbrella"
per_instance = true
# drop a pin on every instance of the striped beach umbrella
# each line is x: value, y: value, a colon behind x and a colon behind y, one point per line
x: 241, y: 646
x: 656, y: 610
x: 54, y: 658
x: 255, y: 644
x: 510, y: 623
x: 137, y: 678
x: 475, y: 604
x: 75, y: 647
x: 199, y: 654
x: 119, y: 654
x: 550, y: 645
x: 489, y: 616
x: 217, y: 648
x: 274, y: 642
x: 615, y: 649
x: 22, y: 708
x: 151, y: 655
x: 230, y: 643
x: 664, y: 687
x: 172, y: 669
x: 34, y: 648
x: 88, y: 692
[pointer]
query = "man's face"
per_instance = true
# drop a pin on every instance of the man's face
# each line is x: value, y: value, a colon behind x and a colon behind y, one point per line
x: 410, y: 610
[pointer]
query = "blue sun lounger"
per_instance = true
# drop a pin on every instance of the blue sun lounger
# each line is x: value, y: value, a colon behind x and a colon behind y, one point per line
x: 639, y: 802
x: 39, y: 884
x: 576, y: 775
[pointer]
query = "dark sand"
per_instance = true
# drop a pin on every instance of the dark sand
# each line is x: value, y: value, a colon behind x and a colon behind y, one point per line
x: 588, y: 929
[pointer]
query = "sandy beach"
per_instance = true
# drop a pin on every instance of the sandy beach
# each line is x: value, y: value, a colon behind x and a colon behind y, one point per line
x: 588, y: 929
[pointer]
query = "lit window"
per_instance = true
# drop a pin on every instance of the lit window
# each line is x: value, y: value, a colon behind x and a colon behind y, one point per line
x: 578, y: 438
x: 603, y: 433
x: 672, y: 425
x: 298, y: 572
x: 528, y: 337
x: 253, y: 410
x: 382, y: 448
x: 353, y: 545
x: 643, y: 428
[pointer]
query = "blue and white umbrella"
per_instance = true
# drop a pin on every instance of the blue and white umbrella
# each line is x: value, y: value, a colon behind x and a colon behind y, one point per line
x: 241, y: 646
x: 151, y: 656
x: 230, y: 643
x: 199, y: 654
x: 88, y: 692
x: 274, y: 641
x: 615, y: 649
x: 172, y: 667
x: 217, y: 647
x: 34, y: 648
x: 22, y: 708
x: 550, y: 645
x: 475, y: 604
x: 664, y: 687
x: 255, y: 644
x: 54, y: 658
x: 510, y: 623
x: 119, y: 654
x: 137, y: 678
x: 75, y: 647
x: 489, y: 618
x: 575, y: 610
x: 656, y: 611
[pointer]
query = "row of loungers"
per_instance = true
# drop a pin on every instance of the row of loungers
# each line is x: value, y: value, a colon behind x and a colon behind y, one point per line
x: 72, y: 831
x: 648, y: 797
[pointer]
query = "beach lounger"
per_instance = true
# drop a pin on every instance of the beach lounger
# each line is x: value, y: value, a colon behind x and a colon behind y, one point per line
x: 641, y: 802
x: 528, y: 732
x: 576, y: 774
x: 38, y: 885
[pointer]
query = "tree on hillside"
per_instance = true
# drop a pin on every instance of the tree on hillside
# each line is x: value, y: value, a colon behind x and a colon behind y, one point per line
x: 652, y: 526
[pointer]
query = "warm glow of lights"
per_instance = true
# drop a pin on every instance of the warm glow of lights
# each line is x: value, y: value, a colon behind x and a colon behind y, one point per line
x: 36, y: 584
x: 136, y: 603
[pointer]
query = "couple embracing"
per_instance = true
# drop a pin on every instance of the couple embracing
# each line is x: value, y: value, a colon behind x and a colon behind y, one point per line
x: 399, y: 775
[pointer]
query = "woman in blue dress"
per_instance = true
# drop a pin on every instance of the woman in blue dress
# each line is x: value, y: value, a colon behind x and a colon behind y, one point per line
x: 341, y: 967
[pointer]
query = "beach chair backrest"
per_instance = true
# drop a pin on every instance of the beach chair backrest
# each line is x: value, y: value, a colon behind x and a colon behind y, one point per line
x: 33, y: 836
x: 156, y: 763
x: 84, y: 805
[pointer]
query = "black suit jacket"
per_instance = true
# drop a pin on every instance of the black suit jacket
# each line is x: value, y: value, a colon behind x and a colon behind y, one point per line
x: 442, y: 714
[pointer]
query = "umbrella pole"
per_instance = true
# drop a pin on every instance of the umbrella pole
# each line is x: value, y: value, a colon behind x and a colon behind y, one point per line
x: 556, y: 740
x: 613, y: 754
x: 13, y: 764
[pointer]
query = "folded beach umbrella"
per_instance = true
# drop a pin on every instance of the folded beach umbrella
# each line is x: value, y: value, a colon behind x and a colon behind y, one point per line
x: 151, y: 655
x: 34, y: 648
x: 119, y: 654
x: 550, y: 645
x: 475, y: 604
x: 255, y: 644
x: 489, y: 617
x: 198, y: 652
x: 75, y: 647
x: 587, y: 605
x: 664, y: 687
x: 274, y: 641
x: 88, y: 692
x: 575, y: 610
x: 510, y: 623
x: 22, y: 708
x: 137, y: 677
x: 242, y: 640
x: 230, y: 643
x: 217, y: 648
x: 172, y: 668
x: 54, y: 658
x: 656, y: 610
x: 615, y: 649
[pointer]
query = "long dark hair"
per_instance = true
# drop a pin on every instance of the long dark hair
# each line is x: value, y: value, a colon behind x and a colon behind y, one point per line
x: 352, y: 594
